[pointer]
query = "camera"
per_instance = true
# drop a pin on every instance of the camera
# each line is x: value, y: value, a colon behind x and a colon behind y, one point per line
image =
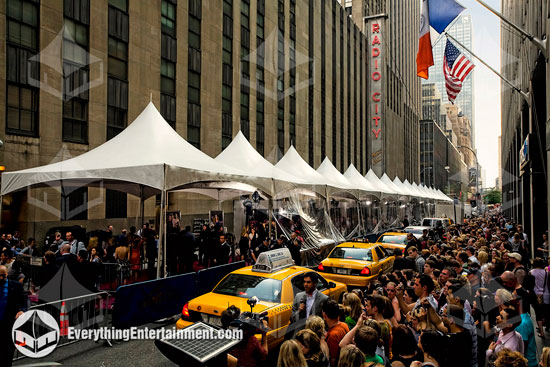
x: 252, y: 320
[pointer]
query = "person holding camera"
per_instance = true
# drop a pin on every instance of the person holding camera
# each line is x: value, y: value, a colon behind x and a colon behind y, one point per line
x: 250, y: 352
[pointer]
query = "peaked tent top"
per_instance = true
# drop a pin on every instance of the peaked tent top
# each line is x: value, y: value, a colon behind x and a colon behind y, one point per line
x: 397, y: 182
x: 137, y: 155
x: 242, y: 156
x: 357, y: 180
x: 376, y: 182
x: 396, y: 189
x: 293, y: 162
x: 332, y: 175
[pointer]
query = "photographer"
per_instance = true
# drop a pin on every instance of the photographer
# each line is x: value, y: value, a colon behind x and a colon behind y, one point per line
x: 249, y: 352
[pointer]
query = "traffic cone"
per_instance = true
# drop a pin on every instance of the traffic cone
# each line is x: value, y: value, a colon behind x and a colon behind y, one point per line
x: 63, y: 321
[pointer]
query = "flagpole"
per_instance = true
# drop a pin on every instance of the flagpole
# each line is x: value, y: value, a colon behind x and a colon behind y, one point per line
x: 541, y: 44
x: 514, y: 87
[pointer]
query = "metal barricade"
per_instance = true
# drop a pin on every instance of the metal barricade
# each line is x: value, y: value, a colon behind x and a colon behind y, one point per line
x: 90, y: 311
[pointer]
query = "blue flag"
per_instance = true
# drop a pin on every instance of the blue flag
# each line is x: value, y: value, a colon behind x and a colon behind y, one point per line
x: 443, y: 12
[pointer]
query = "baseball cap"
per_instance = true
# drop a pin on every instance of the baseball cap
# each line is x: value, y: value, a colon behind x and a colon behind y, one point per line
x: 515, y: 255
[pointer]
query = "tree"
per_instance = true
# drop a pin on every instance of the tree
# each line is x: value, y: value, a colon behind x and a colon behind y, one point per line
x: 493, y: 196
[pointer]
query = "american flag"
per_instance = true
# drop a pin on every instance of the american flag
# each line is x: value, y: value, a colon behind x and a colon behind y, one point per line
x: 456, y: 68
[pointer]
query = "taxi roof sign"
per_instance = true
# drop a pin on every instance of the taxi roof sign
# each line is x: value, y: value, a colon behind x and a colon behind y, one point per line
x: 271, y: 261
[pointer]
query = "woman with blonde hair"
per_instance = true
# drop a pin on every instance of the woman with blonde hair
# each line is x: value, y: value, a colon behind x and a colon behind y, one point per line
x: 503, y: 298
x: 545, y: 357
x: 351, y: 356
x: 311, y: 348
x: 355, y: 309
x: 317, y: 325
x: 291, y: 355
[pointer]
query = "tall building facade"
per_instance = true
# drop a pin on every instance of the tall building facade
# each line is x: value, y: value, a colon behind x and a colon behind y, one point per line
x: 525, y: 124
x: 392, y: 30
x: 286, y: 72
x: 441, y: 163
x: 431, y: 105
x: 462, y: 31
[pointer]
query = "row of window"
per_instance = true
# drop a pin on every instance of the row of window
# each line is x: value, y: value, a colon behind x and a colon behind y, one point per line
x: 227, y: 73
x: 194, y: 74
x: 260, y: 81
x: 168, y: 53
x: 280, y: 76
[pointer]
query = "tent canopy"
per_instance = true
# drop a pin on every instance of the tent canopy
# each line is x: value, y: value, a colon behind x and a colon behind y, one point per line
x: 241, y: 155
x: 360, y: 182
x: 394, y: 188
x: 139, y: 154
x: 375, y: 181
x: 336, y: 179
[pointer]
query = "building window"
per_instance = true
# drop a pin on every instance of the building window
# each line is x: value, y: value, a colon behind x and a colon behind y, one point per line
x: 280, y: 76
x: 21, y: 45
x: 311, y: 45
x: 348, y: 22
x: 117, y: 68
x: 194, y: 74
x: 168, y: 62
x: 292, y: 75
x: 76, y: 73
x: 342, y: 163
x: 260, y: 81
x: 115, y: 204
x: 245, y: 67
x: 227, y: 73
x: 333, y: 104
x: 323, y: 81
x: 74, y: 203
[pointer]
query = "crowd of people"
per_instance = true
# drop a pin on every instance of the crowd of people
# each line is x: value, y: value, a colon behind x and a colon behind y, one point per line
x: 463, y: 297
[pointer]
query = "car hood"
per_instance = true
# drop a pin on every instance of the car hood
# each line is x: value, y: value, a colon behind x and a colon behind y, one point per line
x: 214, y: 304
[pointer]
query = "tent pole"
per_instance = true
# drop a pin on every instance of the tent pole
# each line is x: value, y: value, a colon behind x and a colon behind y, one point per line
x: 164, y: 257
x: 141, y: 206
x: 359, y: 217
x: 162, y: 221
x: 270, y: 215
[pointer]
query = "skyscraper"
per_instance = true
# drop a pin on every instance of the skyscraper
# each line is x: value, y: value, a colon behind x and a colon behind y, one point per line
x: 461, y: 29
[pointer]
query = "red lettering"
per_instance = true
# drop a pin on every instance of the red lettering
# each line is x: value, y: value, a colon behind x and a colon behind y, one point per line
x: 376, y: 76
x: 376, y: 132
x: 376, y: 109
x: 375, y: 52
x: 376, y: 120
x: 376, y: 96
x: 376, y: 64
x: 376, y: 41
x: 376, y: 28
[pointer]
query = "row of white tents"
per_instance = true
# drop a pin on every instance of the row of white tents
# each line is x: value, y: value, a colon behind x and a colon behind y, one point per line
x: 151, y: 154
x: 150, y: 157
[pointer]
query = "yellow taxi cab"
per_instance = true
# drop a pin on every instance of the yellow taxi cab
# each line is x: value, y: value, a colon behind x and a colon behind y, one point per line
x: 356, y: 264
x: 274, y: 280
x: 393, y: 240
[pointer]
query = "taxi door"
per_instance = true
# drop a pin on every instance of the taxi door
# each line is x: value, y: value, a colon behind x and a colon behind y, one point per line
x: 385, y: 261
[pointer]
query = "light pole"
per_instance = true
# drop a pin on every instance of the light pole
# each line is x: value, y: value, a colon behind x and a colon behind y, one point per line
x: 477, y: 167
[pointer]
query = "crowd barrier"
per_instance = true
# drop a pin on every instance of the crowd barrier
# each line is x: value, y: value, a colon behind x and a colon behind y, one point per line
x: 141, y: 303
x: 208, y: 278
x: 89, y: 311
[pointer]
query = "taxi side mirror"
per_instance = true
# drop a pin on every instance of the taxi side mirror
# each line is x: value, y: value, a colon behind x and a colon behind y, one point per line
x: 331, y: 285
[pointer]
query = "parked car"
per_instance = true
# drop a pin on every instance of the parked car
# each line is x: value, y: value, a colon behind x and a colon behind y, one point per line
x: 356, y: 264
x: 274, y: 280
x: 417, y: 231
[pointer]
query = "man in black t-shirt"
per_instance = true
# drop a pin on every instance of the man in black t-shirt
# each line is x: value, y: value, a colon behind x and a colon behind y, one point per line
x: 400, y: 262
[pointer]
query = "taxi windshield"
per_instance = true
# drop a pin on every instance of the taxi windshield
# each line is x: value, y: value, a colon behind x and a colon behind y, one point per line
x: 393, y: 239
x: 351, y: 253
x: 246, y: 286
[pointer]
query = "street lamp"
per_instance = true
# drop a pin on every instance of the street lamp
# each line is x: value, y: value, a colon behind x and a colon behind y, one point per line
x: 477, y: 166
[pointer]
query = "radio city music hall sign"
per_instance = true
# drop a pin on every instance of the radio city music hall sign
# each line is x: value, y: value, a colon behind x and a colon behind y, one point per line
x: 375, y: 91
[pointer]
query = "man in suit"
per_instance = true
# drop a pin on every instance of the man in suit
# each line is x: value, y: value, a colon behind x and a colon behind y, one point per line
x: 309, y: 302
x: 12, y: 305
